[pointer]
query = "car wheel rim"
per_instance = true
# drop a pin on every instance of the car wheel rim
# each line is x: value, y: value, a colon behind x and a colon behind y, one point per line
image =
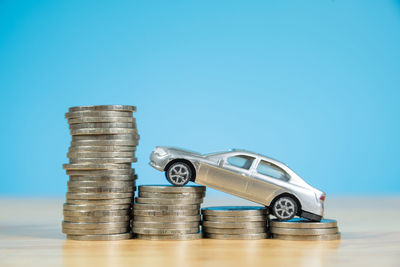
x: 179, y: 174
x: 284, y: 208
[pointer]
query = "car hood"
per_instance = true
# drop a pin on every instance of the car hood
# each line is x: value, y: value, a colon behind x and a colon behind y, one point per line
x: 183, y: 151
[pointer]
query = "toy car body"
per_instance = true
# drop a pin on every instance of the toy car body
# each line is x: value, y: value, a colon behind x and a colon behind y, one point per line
x: 245, y: 174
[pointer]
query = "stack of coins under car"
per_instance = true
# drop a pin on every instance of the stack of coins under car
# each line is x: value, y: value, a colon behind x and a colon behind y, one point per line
x: 164, y: 212
x: 236, y: 222
x: 101, y: 182
x: 302, y: 229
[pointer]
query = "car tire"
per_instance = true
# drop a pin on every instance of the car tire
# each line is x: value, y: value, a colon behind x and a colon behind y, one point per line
x: 179, y: 173
x: 284, y: 208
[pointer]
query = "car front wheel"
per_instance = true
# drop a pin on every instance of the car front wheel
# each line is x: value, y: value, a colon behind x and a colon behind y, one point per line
x: 179, y: 173
x: 284, y: 208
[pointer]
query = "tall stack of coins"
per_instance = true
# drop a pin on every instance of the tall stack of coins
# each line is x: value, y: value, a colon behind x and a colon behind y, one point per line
x: 301, y: 229
x: 236, y: 222
x: 101, y: 182
x: 164, y: 212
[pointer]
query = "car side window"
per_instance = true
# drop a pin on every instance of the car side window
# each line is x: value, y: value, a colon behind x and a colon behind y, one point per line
x: 241, y: 161
x: 271, y: 170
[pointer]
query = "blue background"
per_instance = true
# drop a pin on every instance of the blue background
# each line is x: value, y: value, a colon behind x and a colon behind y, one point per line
x: 314, y: 84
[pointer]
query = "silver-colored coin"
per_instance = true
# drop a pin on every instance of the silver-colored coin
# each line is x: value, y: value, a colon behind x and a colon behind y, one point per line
x: 335, y: 236
x: 193, y: 218
x: 102, y: 173
x: 98, y: 195
x: 304, y: 223
x: 137, y: 212
x: 86, y: 131
x: 104, y: 179
x: 101, y: 160
x: 171, y: 237
x: 104, y: 137
x: 117, y: 184
x: 112, y: 237
x: 102, y: 119
x: 101, y: 189
x: 167, y: 201
x: 237, y: 237
x: 165, y: 225
x: 119, y: 230
x: 303, y: 231
x: 254, y: 218
x: 151, y: 231
x: 99, y: 207
x: 103, y: 107
x: 103, y: 125
x: 102, y: 149
x: 98, y: 226
x: 234, y: 210
x: 97, y: 219
x: 104, y: 143
x: 165, y: 207
x: 101, y: 154
x: 234, y: 231
x: 234, y: 224
x: 172, y: 195
x: 115, y: 201
x: 90, y: 113
x: 172, y: 189
x: 96, y: 166
x: 96, y: 213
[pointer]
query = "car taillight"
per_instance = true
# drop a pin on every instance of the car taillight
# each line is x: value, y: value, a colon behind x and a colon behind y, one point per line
x: 322, y: 197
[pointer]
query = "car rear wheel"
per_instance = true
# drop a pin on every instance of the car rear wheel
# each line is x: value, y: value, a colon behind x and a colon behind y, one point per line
x: 284, y: 208
x: 179, y: 173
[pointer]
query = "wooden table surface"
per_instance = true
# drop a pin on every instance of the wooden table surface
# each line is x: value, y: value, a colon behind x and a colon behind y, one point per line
x: 30, y: 235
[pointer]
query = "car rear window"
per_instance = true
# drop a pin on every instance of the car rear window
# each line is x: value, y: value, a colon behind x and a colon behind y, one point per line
x: 271, y: 170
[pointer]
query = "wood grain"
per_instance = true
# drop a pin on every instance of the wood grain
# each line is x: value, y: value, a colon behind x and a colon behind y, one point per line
x: 30, y: 235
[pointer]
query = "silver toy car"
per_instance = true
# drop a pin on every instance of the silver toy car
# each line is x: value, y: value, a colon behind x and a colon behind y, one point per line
x: 245, y: 174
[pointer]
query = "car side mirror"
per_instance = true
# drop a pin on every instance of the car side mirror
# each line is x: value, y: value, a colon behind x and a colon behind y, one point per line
x: 221, y: 163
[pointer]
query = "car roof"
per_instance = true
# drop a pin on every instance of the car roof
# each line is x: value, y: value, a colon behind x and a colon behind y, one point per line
x: 244, y: 151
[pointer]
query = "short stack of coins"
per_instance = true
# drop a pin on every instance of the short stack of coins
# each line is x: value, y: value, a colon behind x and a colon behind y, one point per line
x: 302, y: 229
x: 236, y: 222
x: 101, y: 182
x: 164, y: 212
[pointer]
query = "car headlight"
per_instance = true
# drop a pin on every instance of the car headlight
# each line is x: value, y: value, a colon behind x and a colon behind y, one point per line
x: 158, y: 151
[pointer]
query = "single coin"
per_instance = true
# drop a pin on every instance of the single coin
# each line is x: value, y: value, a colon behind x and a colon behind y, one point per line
x: 165, y: 225
x: 102, y: 119
x: 96, y: 213
x: 102, y: 149
x: 101, y: 173
x: 172, y: 195
x: 103, y: 131
x: 104, y: 179
x: 234, y: 210
x: 100, y: 184
x: 101, y: 154
x: 303, y: 231
x: 101, y: 160
x: 167, y: 201
x: 234, y: 224
x: 177, y: 213
x: 172, y: 189
x: 104, y: 143
x: 152, y: 231
x: 115, y: 201
x: 304, y: 223
x: 112, y: 237
x: 97, y: 219
x: 119, y: 230
x: 253, y: 218
x: 234, y: 231
x: 103, y: 125
x: 167, y: 219
x: 98, y: 195
x: 84, y: 225
x: 171, y: 237
x: 165, y: 207
x: 103, y: 107
x: 336, y: 236
x: 104, y: 137
x: 96, y: 166
x: 101, y: 189
x: 99, y: 207
x: 237, y: 237
x: 90, y: 113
